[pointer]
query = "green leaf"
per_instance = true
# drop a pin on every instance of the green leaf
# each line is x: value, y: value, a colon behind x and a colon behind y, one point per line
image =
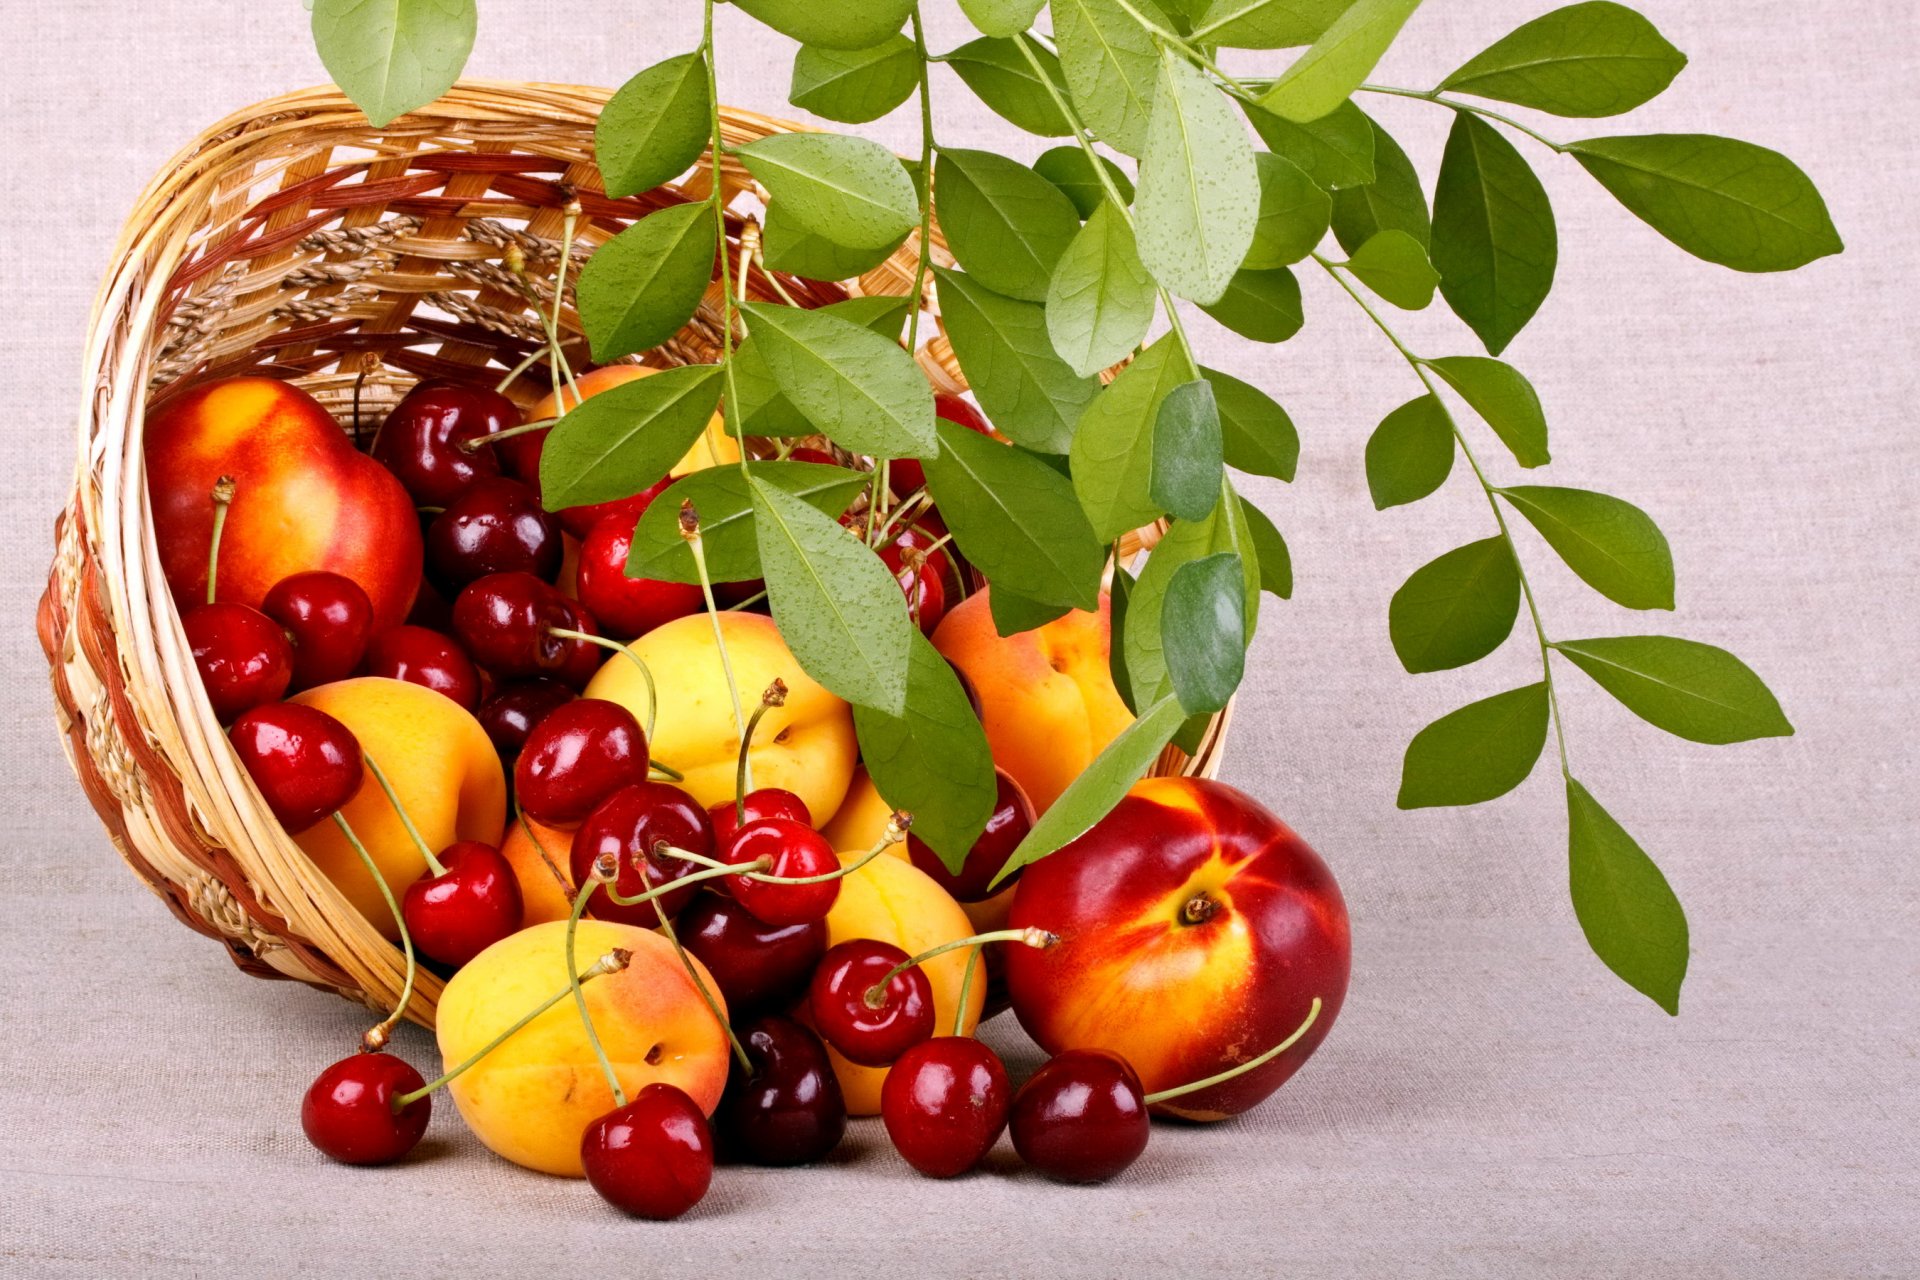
x: 1015, y: 614
x: 1112, y: 69
x: 1336, y: 150
x: 854, y: 86
x: 1266, y: 24
x: 1100, y: 300
x: 802, y: 253
x: 1393, y: 265
x: 1294, y: 215
x: 1117, y: 598
x: 1494, y: 241
x: 1504, y: 398
x: 640, y: 287
x: 1001, y: 17
x: 1410, y: 453
x: 1205, y: 607
x: 755, y: 404
x: 1392, y: 201
x: 391, y: 56
x: 884, y: 313
x: 932, y: 760
x: 1224, y: 529
x: 834, y: 24
x: 1199, y: 188
x: 1692, y: 690
x: 1028, y: 392
x: 1336, y: 63
x: 1262, y: 305
x: 655, y: 127
x: 1000, y: 76
x: 1720, y: 199
x: 1100, y: 786
x: 725, y: 504
x: 847, y: 190
x: 1478, y: 753
x: 1005, y: 223
x: 1069, y: 169
x: 1113, y: 447
x: 1015, y: 519
x: 1257, y: 435
x: 837, y: 604
x: 1456, y: 609
x: 857, y: 387
x: 1592, y: 59
x: 1628, y: 911
x: 1276, y: 562
x: 1187, y: 461
x: 1614, y: 546
x: 624, y: 439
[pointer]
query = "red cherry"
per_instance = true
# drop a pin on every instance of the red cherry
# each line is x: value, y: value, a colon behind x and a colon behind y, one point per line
x: 426, y: 658
x: 945, y: 1104
x: 510, y: 714
x: 792, y: 849
x: 306, y: 763
x: 456, y: 916
x: 348, y: 1111
x: 628, y: 824
x: 584, y: 658
x: 871, y: 1033
x: 420, y: 440
x: 505, y: 621
x: 330, y: 620
x: 788, y: 1110
x: 243, y: 656
x: 923, y: 580
x: 905, y: 474
x: 652, y: 1157
x: 1082, y: 1117
x: 627, y: 607
x: 767, y: 802
x: 579, y: 755
x: 756, y: 965
x: 807, y: 453
x: 1012, y: 818
x: 581, y: 521
x: 496, y: 526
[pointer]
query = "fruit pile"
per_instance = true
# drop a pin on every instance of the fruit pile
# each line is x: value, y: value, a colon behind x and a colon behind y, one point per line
x: 676, y: 915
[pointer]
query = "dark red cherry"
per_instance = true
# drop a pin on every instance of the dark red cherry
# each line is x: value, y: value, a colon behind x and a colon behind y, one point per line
x: 505, y: 622
x: 788, y: 1110
x: 792, y: 849
x: 1008, y: 825
x: 510, y: 713
x: 1082, y: 1117
x: 756, y: 965
x: 431, y: 609
x: 306, y: 763
x: 348, y: 1111
x: 426, y: 658
x: 945, y: 1104
x: 628, y: 824
x: 581, y: 521
x: 329, y: 619
x: 243, y: 656
x: 905, y: 475
x: 627, y: 607
x: 870, y: 1023
x: 767, y: 802
x: 496, y: 526
x: 583, y: 658
x: 807, y: 453
x: 421, y: 440
x: 966, y: 687
x: 653, y: 1157
x: 579, y: 755
x: 456, y: 916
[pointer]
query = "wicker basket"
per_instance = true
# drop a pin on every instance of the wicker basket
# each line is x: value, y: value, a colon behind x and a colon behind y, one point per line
x: 295, y: 240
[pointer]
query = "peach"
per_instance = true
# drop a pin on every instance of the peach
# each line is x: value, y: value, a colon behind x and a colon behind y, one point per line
x: 540, y: 865
x: 1046, y: 696
x: 442, y: 766
x: 530, y: 1099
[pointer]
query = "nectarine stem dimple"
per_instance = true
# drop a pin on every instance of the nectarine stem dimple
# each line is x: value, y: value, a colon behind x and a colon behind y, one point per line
x: 579, y: 997
x: 378, y: 1035
x: 426, y: 851
x: 1199, y: 909
x: 222, y: 499
x: 1181, y: 1090
x: 646, y: 673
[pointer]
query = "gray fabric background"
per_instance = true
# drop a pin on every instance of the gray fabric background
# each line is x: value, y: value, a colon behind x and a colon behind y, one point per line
x: 1493, y: 1103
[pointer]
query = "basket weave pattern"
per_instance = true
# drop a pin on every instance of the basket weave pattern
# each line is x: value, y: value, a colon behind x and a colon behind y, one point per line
x: 295, y: 240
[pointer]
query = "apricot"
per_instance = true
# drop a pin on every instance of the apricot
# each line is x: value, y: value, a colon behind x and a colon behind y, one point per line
x: 714, y: 448
x: 540, y: 865
x: 806, y: 746
x: 1046, y: 696
x: 530, y: 1099
x: 442, y: 766
x: 861, y: 818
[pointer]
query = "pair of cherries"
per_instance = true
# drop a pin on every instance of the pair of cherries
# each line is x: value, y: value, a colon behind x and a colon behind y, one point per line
x: 310, y: 629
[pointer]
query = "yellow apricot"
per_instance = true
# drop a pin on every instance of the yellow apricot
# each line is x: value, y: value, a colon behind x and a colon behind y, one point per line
x: 861, y: 818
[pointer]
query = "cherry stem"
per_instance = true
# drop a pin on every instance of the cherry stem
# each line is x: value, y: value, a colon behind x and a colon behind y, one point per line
x: 539, y: 847
x: 749, y: 602
x: 532, y: 358
x: 775, y: 696
x: 713, y: 1002
x: 222, y: 499
x: 1230, y: 1073
x: 690, y: 530
x: 896, y: 832
x: 666, y: 771
x: 662, y: 890
x: 524, y: 429
x: 966, y: 990
x: 380, y: 776
x: 912, y: 504
x: 377, y: 1037
x: 646, y: 673
x: 1039, y: 939
x: 579, y: 997
x: 569, y: 223
x: 612, y: 962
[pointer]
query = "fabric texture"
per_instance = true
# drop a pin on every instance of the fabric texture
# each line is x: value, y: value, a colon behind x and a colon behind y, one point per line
x: 1492, y: 1102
